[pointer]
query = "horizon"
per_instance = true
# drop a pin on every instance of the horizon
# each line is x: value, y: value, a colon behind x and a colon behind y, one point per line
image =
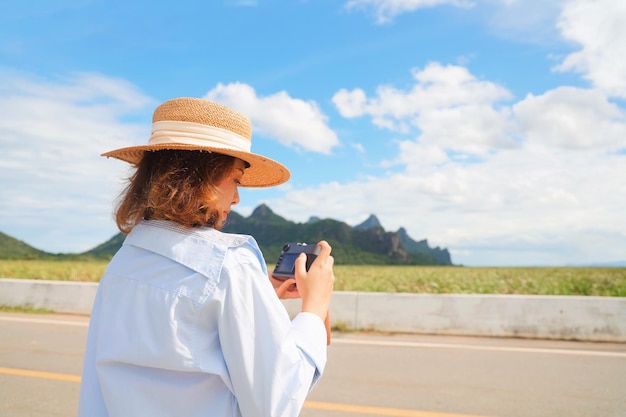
x: 495, y: 129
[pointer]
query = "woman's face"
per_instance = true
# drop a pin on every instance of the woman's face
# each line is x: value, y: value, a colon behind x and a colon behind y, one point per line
x: 227, y: 192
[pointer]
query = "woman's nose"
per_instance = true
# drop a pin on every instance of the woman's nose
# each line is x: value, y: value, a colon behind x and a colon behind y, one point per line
x: 236, y: 197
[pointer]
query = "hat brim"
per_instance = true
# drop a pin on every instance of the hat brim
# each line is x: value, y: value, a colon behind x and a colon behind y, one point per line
x: 262, y: 172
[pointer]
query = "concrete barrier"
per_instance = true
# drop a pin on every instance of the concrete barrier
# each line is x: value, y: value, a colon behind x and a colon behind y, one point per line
x: 601, y: 319
x: 58, y: 296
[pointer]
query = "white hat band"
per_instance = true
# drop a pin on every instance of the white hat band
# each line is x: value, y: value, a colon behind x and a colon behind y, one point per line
x: 189, y: 133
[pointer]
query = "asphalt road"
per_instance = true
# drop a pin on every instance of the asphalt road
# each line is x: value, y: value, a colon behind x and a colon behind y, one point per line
x: 367, y: 374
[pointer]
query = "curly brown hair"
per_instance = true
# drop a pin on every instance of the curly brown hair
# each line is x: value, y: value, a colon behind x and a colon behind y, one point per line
x: 174, y: 185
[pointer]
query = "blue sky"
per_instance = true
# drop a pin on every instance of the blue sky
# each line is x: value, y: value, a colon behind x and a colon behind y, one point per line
x: 494, y: 128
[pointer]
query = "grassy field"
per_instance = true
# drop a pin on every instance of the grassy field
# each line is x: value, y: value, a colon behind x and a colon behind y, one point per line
x: 483, y: 280
x: 411, y: 279
x: 86, y: 271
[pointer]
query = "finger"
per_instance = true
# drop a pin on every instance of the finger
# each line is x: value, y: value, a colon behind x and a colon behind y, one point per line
x: 327, y: 325
x: 325, y: 249
x: 292, y: 292
x: 287, y: 283
x: 300, y: 265
x: 284, y: 287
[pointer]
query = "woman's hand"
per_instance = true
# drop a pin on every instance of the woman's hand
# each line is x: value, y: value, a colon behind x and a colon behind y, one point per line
x: 316, y: 284
x: 285, y: 289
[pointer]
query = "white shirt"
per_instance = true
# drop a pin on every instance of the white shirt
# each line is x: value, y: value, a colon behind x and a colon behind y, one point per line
x: 186, y: 323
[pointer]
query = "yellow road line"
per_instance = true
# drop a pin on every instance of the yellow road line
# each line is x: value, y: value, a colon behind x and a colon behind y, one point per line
x: 40, y: 374
x: 317, y: 405
x: 378, y: 411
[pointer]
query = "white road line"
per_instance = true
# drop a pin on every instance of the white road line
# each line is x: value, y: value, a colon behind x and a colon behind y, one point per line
x: 45, y: 321
x: 380, y: 342
x: 479, y: 347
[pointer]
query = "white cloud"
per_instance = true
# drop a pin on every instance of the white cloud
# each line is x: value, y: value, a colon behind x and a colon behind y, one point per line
x: 548, y: 180
x: 386, y: 10
x: 572, y: 118
x: 469, y: 129
x: 55, y: 185
x: 522, y: 20
x: 448, y: 104
x: 418, y: 157
x: 293, y: 122
x: 358, y: 147
x: 599, y: 28
x: 350, y: 103
x: 436, y: 87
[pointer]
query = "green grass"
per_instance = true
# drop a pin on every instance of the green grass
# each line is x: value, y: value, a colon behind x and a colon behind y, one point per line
x: 55, y: 270
x: 482, y: 280
x: 409, y: 279
x: 24, y: 309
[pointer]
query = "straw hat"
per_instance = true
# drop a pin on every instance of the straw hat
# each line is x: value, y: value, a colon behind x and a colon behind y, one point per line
x: 196, y: 124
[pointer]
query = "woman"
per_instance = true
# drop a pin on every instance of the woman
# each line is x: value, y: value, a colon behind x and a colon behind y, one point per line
x: 186, y: 321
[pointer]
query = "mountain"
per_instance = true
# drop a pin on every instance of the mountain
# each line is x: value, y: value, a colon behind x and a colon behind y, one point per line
x: 371, y: 223
x: 442, y: 256
x: 368, y: 243
x: 11, y: 248
x: 107, y: 249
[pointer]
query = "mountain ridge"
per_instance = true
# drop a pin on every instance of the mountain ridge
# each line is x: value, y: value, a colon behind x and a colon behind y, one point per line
x: 366, y: 243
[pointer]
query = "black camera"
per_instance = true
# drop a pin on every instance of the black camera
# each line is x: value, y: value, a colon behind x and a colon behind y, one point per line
x: 286, y: 266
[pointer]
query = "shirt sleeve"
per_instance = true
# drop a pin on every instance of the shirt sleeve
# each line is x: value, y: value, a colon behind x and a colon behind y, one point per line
x: 91, y: 402
x: 272, y: 362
